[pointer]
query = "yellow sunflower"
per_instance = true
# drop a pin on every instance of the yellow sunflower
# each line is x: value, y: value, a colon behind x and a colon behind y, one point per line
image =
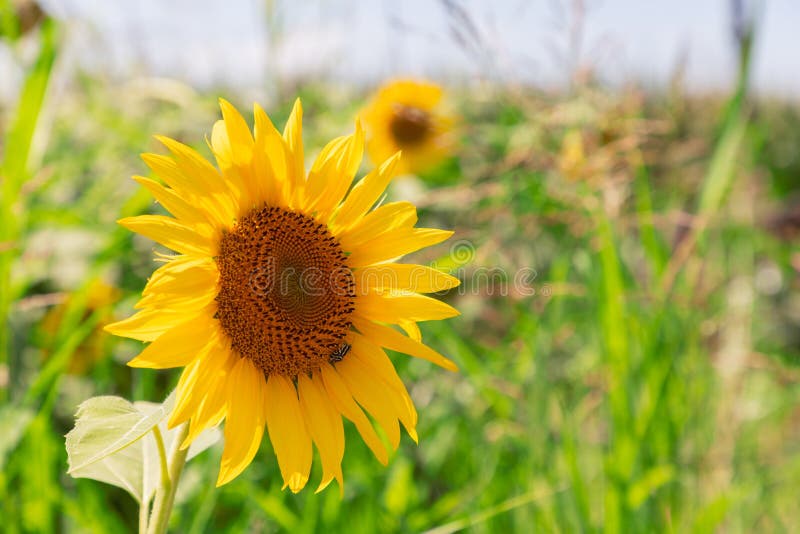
x: 283, y: 295
x: 408, y: 115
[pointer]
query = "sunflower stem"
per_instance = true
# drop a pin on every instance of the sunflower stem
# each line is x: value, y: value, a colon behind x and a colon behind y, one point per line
x: 162, y: 456
x: 143, y: 509
x: 165, y: 494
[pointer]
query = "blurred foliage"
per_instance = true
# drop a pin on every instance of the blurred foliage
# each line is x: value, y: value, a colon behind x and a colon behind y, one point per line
x: 649, y: 383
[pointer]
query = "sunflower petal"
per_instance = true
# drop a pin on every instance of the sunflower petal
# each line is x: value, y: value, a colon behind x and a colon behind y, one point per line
x: 221, y: 145
x: 246, y: 415
x: 333, y: 172
x: 170, y: 233
x: 270, y: 160
x: 325, y: 426
x: 396, y: 243
x: 392, y: 339
x: 176, y: 205
x: 185, y: 275
x: 288, y: 433
x: 388, y: 217
x: 364, y: 194
x: 404, y: 277
x: 211, y: 409
x: 168, y: 170
x: 343, y: 401
x: 411, y: 329
x: 186, y: 302
x: 239, y: 137
x: 147, y: 325
x: 293, y: 136
x: 198, y: 377
x: 233, y: 165
x: 370, y: 360
x: 372, y: 396
x: 198, y: 169
x: 176, y: 347
x: 395, y: 308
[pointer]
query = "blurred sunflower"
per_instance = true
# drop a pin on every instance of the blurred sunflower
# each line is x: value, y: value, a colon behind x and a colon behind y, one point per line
x: 407, y: 116
x: 282, y: 295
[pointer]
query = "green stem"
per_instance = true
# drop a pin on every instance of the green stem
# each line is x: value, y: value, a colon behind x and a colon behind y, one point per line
x: 165, y: 494
x: 162, y: 456
x: 143, y: 509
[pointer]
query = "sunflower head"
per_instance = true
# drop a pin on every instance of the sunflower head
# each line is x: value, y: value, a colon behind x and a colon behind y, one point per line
x: 408, y: 116
x: 283, y: 295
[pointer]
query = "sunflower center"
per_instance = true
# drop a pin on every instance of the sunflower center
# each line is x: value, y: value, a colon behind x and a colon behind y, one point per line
x: 410, y: 125
x: 286, y: 292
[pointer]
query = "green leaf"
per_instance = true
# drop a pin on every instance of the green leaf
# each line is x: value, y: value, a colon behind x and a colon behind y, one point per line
x: 650, y: 481
x: 112, y: 442
x: 151, y: 461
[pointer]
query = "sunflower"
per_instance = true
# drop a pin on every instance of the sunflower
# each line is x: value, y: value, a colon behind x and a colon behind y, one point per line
x: 407, y: 116
x: 283, y: 295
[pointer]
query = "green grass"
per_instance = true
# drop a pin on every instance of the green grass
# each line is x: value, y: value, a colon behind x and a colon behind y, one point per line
x: 650, y: 383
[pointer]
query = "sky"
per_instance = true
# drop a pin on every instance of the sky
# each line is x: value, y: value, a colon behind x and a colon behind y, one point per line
x: 249, y: 43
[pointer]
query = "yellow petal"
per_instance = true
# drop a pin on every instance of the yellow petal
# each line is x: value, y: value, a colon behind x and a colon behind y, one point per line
x: 186, y: 399
x: 394, y: 340
x: 176, y: 205
x: 270, y: 160
x: 239, y: 142
x: 322, y: 170
x: 325, y: 426
x: 198, y: 192
x: 198, y: 377
x: 170, y: 233
x: 343, y: 401
x: 168, y: 170
x: 374, y: 397
x: 287, y: 432
x: 186, y: 302
x: 239, y: 137
x: 178, y: 346
x: 211, y: 409
x: 198, y: 169
x: 394, y: 308
x: 364, y: 194
x: 333, y: 172
x: 147, y: 325
x: 412, y: 329
x: 403, y: 277
x: 388, y: 217
x: 244, y: 423
x: 371, y: 364
x: 293, y: 135
x: 186, y: 276
x: 235, y: 168
x: 221, y: 145
x: 394, y: 244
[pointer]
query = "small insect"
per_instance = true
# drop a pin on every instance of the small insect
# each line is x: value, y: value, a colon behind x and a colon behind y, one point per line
x: 339, y: 354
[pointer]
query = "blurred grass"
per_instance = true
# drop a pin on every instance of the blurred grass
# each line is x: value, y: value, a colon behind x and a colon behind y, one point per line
x: 651, y: 382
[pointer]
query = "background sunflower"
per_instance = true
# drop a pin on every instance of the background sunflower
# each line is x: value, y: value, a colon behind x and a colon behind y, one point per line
x: 410, y: 116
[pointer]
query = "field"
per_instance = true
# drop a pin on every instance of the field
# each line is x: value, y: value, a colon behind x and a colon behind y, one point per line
x: 629, y: 349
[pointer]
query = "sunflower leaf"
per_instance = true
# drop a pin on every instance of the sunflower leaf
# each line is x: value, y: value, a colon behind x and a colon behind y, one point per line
x: 151, y: 465
x: 112, y: 442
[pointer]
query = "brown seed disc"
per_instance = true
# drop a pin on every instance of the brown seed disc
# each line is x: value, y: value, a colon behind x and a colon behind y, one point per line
x: 286, y: 292
x: 410, y: 125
